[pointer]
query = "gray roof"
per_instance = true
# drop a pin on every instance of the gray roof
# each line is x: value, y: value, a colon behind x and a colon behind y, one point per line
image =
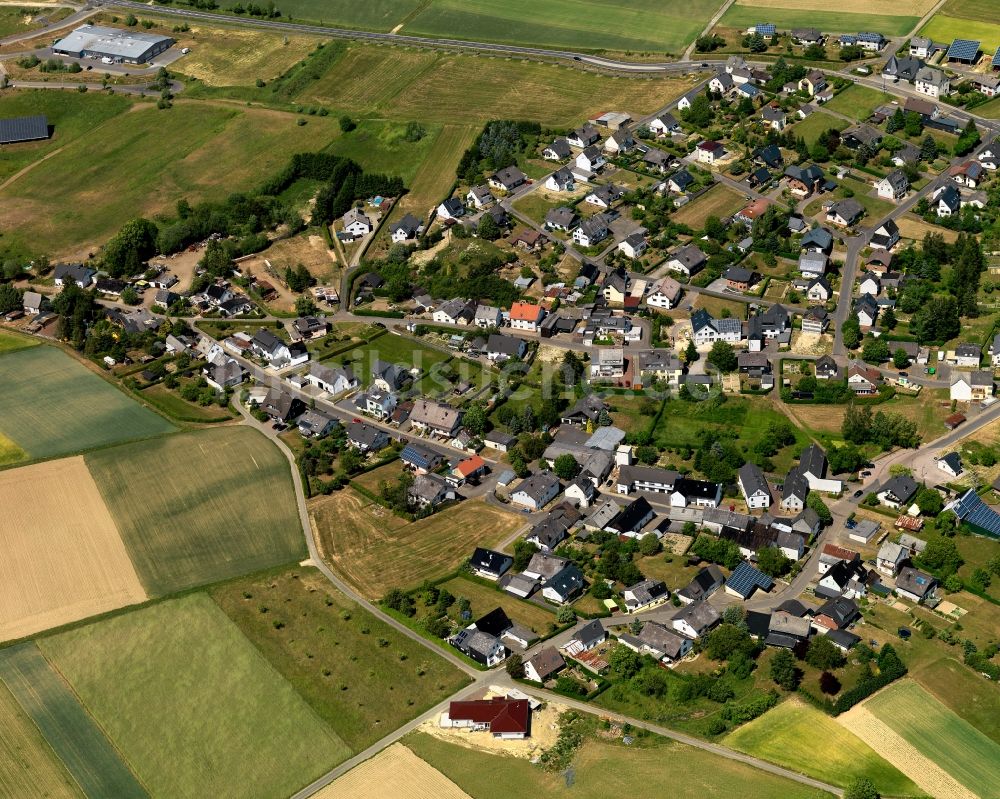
x: 538, y: 485
x: 17, y: 129
x: 111, y: 41
x: 902, y: 488
x: 752, y: 479
x: 915, y: 581
x: 700, y: 615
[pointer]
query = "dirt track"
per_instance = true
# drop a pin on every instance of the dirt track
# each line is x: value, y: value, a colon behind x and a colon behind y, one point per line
x: 63, y: 559
x: 393, y: 773
x: 894, y: 748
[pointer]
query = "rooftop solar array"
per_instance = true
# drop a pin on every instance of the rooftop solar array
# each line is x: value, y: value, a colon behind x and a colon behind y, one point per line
x: 963, y: 50
x: 970, y: 508
x: 745, y: 578
x: 867, y: 36
x: 23, y: 129
x: 996, y: 58
x: 765, y: 29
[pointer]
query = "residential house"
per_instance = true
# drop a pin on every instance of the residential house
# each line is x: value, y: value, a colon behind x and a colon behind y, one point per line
x: 794, y: 491
x: 584, y: 137
x: 815, y: 320
x: 604, y: 196
x: 951, y: 464
x: 866, y: 309
x: 420, y: 458
x: 753, y: 485
x: 680, y: 181
x: 971, y: 386
x: 561, y: 218
x: 480, y: 197
x: 891, y: 557
x: 861, y: 136
x: 657, y: 160
x: 451, y: 209
x: 564, y: 585
x: 886, y: 236
x: 633, y: 245
x: 536, y: 491
x: 590, y: 159
x: 502, y: 717
x: 803, y: 181
x: 695, y: 619
x: 812, y: 264
x: 526, y: 316
x: 429, y: 491
x: 915, y: 585
x: 645, y: 595
x: 333, y: 380
x: 581, y: 491
x: 721, y: 83
x: 709, y: 152
x: 775, y: 320
x: 826, y: 368
x: 898, y: 492
x: 968, y: 355
x: 817, y: 240
x: 631, y: 519
x: 845, y: 212
x: 920, y: 46
x: 586, y: 638
x: 507, y: 179
x: 688, y: 260
x: 454, y: 312
x: 835, y: 614
x: 845, y: 578
x: 947, y: 199
x: 32, y: 302
x: 664, y: 125
x: 706, y: 582
x: 357, y: 224
x: 78, y: 274
x: 619, y: 142
x: 487, y: 650
x: 769, y: 155
x: 813, y: 83
x: 806, y: 36
x: 559, y: 150
x: 740, y: 278
x: 699, y: 493
x: 932, y: 82
x: 969, y: 174
x: 706, y: 330
x: 588, y: 409
x: 893, y: 186
x: 560, y: 180
x: 543, y: 665
x: 307, y: 328
x: 666, y: 293
x: 389, y: 376
x: 489, y: 563
x: 591, y: 232
x: 276, y: 352
x: 281, y: 406
x: 435, y: 417
x: 501, y: 348
x: 645, y: 478
x: 773, y: 116
x: 487, y: 316
x: 832, y: 554
x: 406, y: 229
x: 658, y: 641
x: 819, y: 289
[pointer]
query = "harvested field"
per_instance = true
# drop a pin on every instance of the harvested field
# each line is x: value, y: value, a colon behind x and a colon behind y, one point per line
x: 375, y: 550
x: 74, y: 737
x: 392, y: 773
x: 192, y: 705
x: 361, y: 676
x: 913, y: 227
x: 923, y: 771
x: 940, y: 735
x: 63, y: 561
x: 53, y: 405
x: 28, y: 766
x: 200, y: 507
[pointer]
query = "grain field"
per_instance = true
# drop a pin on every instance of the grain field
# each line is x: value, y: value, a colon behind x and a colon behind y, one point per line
x: 63, y: 559
x: 393, y: 773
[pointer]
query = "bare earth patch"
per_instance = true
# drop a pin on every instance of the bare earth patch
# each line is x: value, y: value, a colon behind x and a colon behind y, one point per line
x: 63, y: 559
x: 392, y: 773
x: 894, y: 748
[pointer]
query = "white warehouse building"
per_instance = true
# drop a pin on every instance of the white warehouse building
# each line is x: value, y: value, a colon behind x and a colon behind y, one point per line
x: 121, y: 46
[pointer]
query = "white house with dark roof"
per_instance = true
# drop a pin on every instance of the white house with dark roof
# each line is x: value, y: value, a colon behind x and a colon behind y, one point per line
x: 537, y: 491
x: 753, y: 485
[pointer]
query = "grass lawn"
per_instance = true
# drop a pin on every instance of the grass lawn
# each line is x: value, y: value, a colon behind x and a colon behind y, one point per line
x: 537, y: 204
x: 602, y: 769
x: 192, y: 705
x: 940, y: 735
x: 201, y: 507
x: 793, y: 14
x: 720, y: 201
x: 375, y: 550
x: 983, y: 10
x: 27, y: 763
x: 486, y: 598
x: 787, y: 736
x: 380, y: 15
x: 9, y: 342
x: 381, y: 146
x: 815, y: 124
x: 390, y: 348
x: 174, y: 405
x: 61, y: 719
x: 362, y: 677
x: 659, y: 25
x: 858, y: 102
x: 944, y: 27
x: 145, y: 162
x: 70, y: 116
x: 716, y: 306
x: 676, y: 574
x: 54, y: 405
x: 409, y: 83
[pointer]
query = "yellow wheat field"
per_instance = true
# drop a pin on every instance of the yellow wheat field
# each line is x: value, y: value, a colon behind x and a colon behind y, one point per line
x: 62, y: 558
x: 904, y: 756
x: 394, y: 773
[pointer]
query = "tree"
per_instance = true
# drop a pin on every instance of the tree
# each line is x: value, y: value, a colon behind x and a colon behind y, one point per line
x: 515, y: 666
x: 851, y: 331
x: 813, y: 501
x: 647, y: 454
x: 928, y: 149
x: 723, y: 357
x: 857, y: 424
x: 823, y: 654
x: 691, y: 353
x: 940, y: 556
x: 861, y: 788
x: 566, y: 615
x: 875, y: 351
x: 130, y: 248
x: 488, y: 228
x: 772, y: 561
x: 650, y: 545
x: 566, y: 467
x: 726, y: 639
x: 784, y: 672
x: 523, y: 552
x: 929, y: 501
x: 624, y: 662
x: 981, y: 579
x: 305, y: 305
x: 900, y: 359
x: 347, y: 124
x: 130, y: 296
x: 828, y: 683
x: 10, y: 298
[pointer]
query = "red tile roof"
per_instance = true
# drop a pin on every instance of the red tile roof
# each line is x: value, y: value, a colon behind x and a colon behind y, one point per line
x: 525, y: 312
x: 839, y: 552
x: 470, y: 465
x: 500, y: 713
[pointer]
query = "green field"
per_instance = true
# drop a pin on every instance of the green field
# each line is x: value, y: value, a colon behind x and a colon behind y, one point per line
x: 858, y: 102
x: 14, y: 341
x: 815, y: 124
x: 963, y: 691
x: 381, y: 146
x: 362, y: 677
x: 60, y: 717
x: 944, y: 27
x: 484, y: 599
x: 390, y: 348
x: 787, y: 736
x: 982, y: 10
x: 380, y: 15
x: 192, y: 705
x: 657, y: 25
x: 28, y: 766
x: 601, y: 770
x: 70, y: 115
x: 200, y: 507
x: 829, y: 21
x: 151, y: 158
x: 176, y: 407
x: 940, y: 735
x: 53, y: 405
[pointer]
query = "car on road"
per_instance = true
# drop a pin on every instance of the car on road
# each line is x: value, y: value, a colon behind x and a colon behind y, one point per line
x: 356, y: 420
x: 866, y: 473
x: 858, y: 493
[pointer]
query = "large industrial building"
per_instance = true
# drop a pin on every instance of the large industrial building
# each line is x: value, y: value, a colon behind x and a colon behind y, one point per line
x: 121, y: 46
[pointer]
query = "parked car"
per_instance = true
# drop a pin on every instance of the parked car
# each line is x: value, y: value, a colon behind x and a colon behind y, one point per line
x: 858, y: 493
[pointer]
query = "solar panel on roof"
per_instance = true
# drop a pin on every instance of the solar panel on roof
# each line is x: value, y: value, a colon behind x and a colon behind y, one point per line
x: 746, y: 577
x: 19, y: 129
x: 963, y: 49
x: 996, y: 58
x: 869, y: 37
x: 766, y: 29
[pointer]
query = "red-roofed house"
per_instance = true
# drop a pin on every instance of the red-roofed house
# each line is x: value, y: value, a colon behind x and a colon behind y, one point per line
x: 526, y: 316
x: 472, y: 468
x: 503, y: 717
x: 752, y: 211
x: 709, y: 152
